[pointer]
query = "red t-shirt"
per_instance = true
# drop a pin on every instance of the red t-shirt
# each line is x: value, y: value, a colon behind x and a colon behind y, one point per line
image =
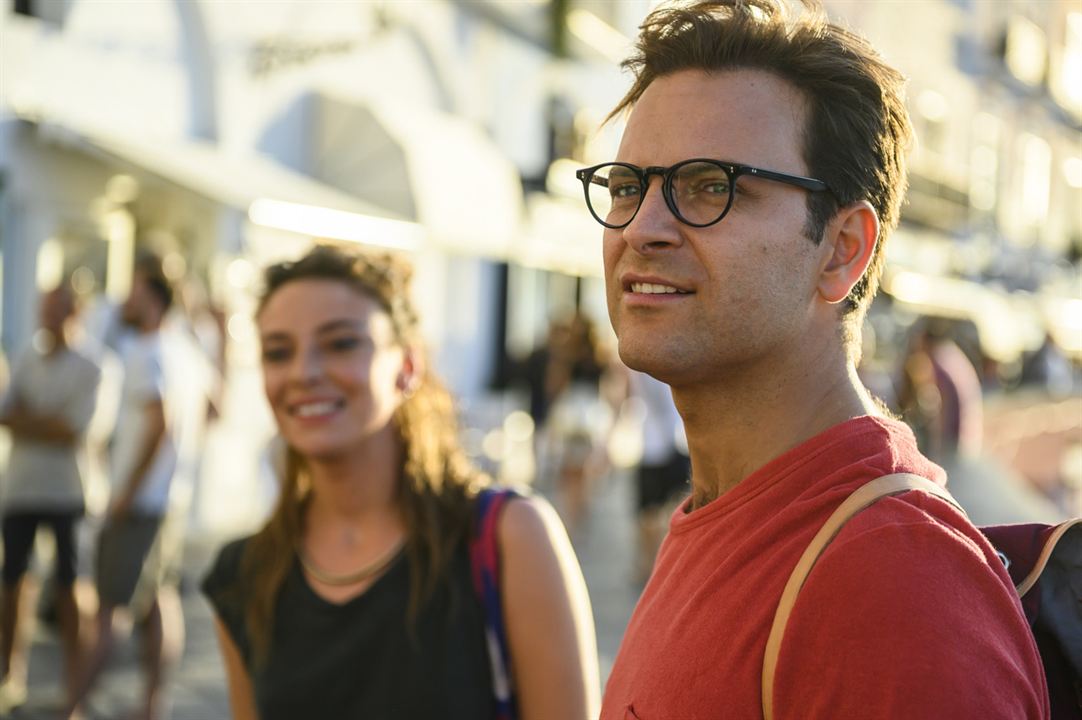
x: 907, y: 614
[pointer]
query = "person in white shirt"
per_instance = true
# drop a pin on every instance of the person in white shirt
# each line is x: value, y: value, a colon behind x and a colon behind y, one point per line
x: 143, y: 461
x: 664, y: 471
x: 47, y: 410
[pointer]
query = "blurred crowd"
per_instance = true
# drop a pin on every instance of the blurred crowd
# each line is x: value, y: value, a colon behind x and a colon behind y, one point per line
x: 105, y: 414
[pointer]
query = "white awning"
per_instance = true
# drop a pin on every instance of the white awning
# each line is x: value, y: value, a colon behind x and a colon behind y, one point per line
x: 432, y: 167
x: 437, y: 178
x: 376, y: 156
x: 235, y: 180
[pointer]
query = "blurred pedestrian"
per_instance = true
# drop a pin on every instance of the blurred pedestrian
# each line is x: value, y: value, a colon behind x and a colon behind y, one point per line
x: 664, y: 470
x: 940, y: 394
x: 580, y: 417
x: 130, y: 555
x: 355, y: 600
x: 47, y: 409
x: 1049, y: 369
x: 535, y: 372
x: 743, y: 287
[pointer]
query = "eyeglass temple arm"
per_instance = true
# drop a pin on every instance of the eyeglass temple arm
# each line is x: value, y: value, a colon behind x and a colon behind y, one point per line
x: 588, y: 176
x: 804, y: 182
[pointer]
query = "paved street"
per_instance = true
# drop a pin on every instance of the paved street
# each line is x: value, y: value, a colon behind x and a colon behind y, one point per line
x: 605, y: 550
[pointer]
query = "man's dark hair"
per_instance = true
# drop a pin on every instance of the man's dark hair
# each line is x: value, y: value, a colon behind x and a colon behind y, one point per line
x: 857, y: 129
x: 149, y: 266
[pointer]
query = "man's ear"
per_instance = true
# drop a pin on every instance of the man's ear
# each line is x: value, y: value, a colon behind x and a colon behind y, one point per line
x: 849, y: 243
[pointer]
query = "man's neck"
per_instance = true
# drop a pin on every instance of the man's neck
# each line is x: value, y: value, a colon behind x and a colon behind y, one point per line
x: 738, y: 424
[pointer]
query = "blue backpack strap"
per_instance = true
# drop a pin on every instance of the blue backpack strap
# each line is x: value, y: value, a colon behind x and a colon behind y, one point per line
x: 485, y: 564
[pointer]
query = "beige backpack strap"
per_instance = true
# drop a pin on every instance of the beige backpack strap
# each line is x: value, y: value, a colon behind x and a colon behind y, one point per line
x: 860, y: 499
x: 1046, y: 552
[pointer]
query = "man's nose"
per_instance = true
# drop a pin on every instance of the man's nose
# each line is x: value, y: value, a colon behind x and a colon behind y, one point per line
x: 654, y: 226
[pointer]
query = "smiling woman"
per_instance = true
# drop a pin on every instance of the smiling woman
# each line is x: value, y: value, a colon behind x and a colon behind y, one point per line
x: 332, y: 367
x: 356, y: 599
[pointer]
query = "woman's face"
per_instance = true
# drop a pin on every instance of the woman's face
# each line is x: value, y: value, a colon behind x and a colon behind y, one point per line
x: 332, y: 369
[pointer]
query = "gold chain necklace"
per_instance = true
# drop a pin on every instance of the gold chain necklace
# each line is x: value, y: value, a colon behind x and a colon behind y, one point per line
x: 352, y: 578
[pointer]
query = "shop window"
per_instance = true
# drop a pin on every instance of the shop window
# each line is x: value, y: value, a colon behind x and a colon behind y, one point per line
x: 1066, y: 74
x: 933, y: 112
x: 1036, y: 179
x: 1025, y: 51
x: 984, y: 163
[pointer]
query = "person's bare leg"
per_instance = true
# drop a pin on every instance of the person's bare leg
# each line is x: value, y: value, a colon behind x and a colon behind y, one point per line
x: 18, y: 626
x: 95, y: 662
x: 643, y: 559
x: 573, y: 496
x: 10, y: 606
x: 86, y: 602
x: 69, y: 620
x: 15, y: 632
x: 162, y: 645
x: 653, y: 523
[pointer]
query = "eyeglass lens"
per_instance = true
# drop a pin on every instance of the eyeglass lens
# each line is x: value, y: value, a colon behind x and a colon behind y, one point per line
x: 699, y: 191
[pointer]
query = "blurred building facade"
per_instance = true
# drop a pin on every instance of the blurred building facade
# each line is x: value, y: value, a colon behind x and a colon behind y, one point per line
x: 995, y: 93
x: 224, y: 135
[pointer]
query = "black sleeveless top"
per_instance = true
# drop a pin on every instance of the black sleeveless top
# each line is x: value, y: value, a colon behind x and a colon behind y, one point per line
x: 364, y: 659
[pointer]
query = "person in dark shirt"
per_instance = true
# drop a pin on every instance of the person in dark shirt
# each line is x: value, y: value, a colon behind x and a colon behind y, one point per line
x: 355, y: 599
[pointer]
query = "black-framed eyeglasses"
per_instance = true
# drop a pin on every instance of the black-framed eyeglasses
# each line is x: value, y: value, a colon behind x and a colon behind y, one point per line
x: 699, y: 192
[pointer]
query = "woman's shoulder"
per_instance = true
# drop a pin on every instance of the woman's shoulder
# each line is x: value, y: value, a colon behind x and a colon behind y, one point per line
x: 490, y: 506
x: 224, y: 571
x: 509, y: 517
x: 526, y: 519
x: 496, y: 493
x: 506, y: 516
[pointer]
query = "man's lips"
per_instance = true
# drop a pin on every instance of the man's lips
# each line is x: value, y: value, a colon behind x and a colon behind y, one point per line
x: 653, y: 286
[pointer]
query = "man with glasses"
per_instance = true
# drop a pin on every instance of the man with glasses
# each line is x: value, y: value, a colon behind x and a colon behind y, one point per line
x: 760, y: 171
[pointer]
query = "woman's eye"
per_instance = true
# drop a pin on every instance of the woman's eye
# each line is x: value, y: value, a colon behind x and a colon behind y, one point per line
x: 276, y: 355
x: 343, y: 344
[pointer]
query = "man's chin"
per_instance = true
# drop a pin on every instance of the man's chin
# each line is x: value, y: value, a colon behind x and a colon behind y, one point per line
x: 649, y: 361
